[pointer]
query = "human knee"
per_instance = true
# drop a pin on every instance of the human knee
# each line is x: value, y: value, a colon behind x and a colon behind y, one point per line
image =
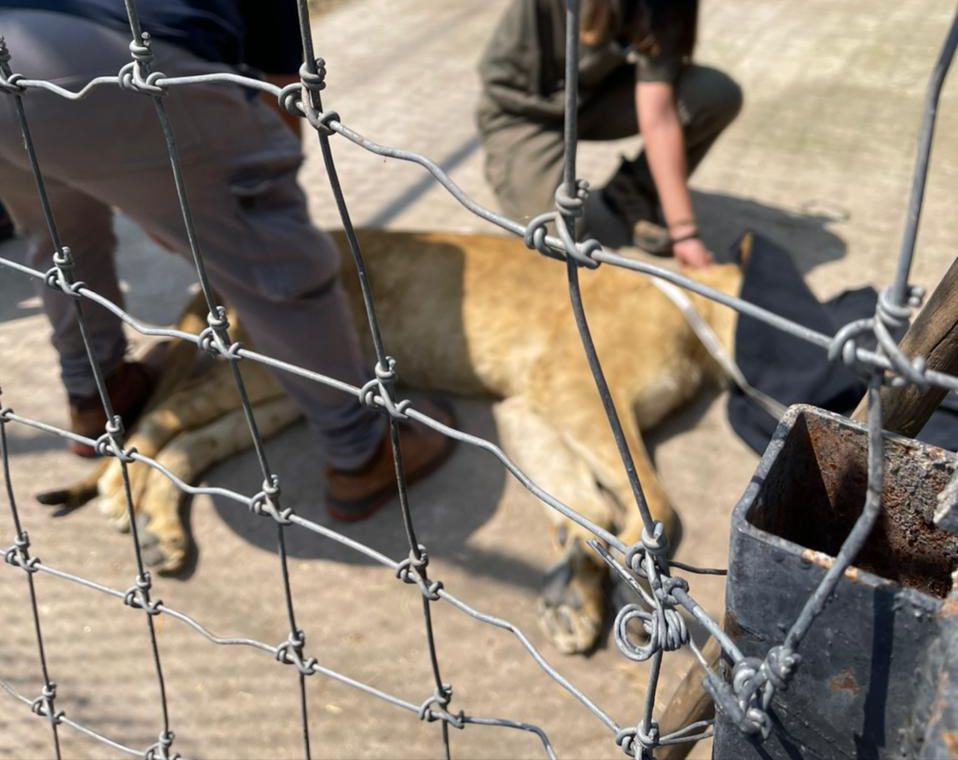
x: 729, y: 97
x: 711, y: 96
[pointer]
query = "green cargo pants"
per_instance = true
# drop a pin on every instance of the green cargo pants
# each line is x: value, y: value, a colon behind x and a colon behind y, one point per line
x: 524, y: 156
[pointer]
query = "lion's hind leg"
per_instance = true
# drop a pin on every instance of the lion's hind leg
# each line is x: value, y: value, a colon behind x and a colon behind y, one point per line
x: 571, y: 606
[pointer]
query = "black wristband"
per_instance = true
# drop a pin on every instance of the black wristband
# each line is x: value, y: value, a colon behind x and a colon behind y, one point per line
x: 692, y: 235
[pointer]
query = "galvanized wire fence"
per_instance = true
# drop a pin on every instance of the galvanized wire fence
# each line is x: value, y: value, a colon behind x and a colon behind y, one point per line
x: 664, y: 596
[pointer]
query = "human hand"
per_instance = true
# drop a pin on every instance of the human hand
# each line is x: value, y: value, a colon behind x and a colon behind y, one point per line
x: 692, y: 252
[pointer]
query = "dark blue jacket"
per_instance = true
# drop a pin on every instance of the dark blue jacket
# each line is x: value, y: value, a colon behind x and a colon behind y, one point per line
x: 262, y: 34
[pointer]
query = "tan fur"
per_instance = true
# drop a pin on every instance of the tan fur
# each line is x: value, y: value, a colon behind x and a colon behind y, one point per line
x: 473, y: 314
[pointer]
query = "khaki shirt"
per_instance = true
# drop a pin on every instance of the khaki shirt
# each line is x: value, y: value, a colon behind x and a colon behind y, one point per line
x: 523, y: 67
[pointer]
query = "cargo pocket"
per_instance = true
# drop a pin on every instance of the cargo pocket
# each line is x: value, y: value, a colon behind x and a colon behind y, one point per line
x: 287, y: 256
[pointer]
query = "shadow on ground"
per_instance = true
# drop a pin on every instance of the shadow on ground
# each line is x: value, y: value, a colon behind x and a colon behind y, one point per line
x: 803, y: 233
x: 438, y: 515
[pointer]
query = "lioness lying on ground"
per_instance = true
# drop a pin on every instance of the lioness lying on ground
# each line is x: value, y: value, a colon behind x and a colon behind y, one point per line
x: 469, y: 314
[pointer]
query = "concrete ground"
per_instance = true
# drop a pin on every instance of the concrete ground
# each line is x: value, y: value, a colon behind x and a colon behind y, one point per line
x: 819, y: 160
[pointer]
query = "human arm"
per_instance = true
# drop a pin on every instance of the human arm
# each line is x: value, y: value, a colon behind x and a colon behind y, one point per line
x: 664, y: 142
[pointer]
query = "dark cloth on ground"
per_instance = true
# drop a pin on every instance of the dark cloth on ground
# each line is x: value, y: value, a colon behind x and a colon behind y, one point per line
x: 792, y: 370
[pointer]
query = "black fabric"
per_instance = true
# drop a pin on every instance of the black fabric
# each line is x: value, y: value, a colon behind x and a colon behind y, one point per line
x: 262, y: 35
x: 792, y: 370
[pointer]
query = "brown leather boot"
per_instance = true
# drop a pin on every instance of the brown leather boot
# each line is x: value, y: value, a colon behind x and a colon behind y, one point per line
x: 129, y: 387
x: 355, y: 495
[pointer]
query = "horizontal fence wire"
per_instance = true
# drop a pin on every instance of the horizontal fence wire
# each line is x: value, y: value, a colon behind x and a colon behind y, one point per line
x: 645, y: 566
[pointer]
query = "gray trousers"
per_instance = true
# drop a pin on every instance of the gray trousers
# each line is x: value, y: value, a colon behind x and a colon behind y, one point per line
x: 524, y: 156
x: 240, y: 164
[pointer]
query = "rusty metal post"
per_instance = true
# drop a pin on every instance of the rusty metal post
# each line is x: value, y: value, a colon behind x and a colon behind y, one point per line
x: 859, y: 690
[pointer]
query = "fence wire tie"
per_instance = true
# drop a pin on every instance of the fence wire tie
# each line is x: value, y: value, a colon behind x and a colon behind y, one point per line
x: 378, y: 391
x: 161, y: 749
x: 110, y: 443
x: 60, y: 275
x: 754, y: 682
x: 567, y: 210
x: 266, y: 502
x: 136, y: 75
x: 138, y: 596
x: 637, y: 741
x: 10, y: 82
x: 297, y: 98
x: 215, y: 338
x: 19, y: 556
x: 663, y: 624
x: 44, y: 707
x: 290, y: 652
x: 891, y: 319
x: 440, y: 699
x: 412, y: 570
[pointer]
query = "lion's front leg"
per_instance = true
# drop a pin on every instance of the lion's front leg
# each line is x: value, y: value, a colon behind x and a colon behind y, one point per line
x: 162, y: 533
x: 572, y: 602
x: 210, y: 397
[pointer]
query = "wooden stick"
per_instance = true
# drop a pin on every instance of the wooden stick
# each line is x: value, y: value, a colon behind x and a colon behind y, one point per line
x: 690, y: 703
x: 934, y: 335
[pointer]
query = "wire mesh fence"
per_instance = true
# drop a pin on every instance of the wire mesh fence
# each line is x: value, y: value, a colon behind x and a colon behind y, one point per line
x: 645, y: 566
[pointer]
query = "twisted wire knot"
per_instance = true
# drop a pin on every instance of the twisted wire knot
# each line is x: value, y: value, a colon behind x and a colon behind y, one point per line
x: 215, y: 338
x: 290, y: 652
x: 655, y: 543
x: 779, y: 665
x: 753, y: 691
x: 138, y: 596
x: 321, y: 120
x: 411, y: 569
x: 9, y: 80
x: 11, y: 83
x: 440, y: 699
x: 135, y: 75
x: 18, y: 555
x: 313, y: 81
x: 110, y: 443
x: 663, y: 624
x: 887, y: 325
x: 22, y: 541
x: 56, y: 279
x: 60, y: 276
x: 572, y: 205
x: 378, y: 392
x: 567, y: 207
x: 635, y: 741
x: 5, y: 414
x: 43, y: 705
x: 297, y: 98
x: 161, y: 749
x: 290, y: 98
x: 266, y: 502
x: 891, y: 320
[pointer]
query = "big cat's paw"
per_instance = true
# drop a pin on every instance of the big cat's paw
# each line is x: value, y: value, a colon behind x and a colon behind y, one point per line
x: 571, y: 605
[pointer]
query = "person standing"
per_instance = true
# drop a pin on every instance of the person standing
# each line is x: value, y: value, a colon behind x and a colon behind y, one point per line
x: 240, y: 164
